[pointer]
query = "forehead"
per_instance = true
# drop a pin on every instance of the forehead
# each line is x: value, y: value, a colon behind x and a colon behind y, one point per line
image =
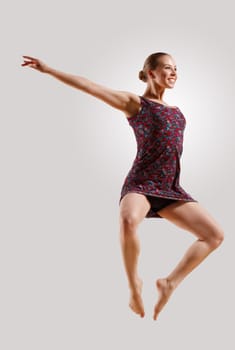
x: 167, y: 60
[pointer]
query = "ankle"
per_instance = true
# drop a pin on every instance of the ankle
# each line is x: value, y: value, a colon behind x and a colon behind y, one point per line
x: 135, y: 286
x: 171, y: 283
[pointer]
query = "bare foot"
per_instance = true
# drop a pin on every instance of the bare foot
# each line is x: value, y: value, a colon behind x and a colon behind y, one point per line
x: 165, y: 288
x: 136, y: 303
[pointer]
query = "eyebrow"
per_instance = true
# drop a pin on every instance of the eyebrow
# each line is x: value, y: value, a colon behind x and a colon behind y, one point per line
x: 166, y: 64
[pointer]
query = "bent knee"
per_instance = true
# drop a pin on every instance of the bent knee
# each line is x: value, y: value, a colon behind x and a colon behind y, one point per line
x: 217, y: 239
x: 129, y: 221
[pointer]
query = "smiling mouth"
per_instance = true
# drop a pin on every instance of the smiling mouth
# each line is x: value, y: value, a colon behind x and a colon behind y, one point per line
x: 171, y: 79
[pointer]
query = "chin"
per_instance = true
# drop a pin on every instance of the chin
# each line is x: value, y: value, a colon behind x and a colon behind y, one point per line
x: 169, y: 85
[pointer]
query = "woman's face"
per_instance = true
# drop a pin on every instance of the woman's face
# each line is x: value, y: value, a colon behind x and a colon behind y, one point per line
x: 165, y: 75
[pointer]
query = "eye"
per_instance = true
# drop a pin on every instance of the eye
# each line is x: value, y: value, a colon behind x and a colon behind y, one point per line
x: 168, y: 67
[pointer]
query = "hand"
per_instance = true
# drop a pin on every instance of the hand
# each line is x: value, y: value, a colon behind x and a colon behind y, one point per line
x: 35, y: 63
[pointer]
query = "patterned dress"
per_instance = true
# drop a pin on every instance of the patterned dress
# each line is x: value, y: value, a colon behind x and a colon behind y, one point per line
x: 155, y: 171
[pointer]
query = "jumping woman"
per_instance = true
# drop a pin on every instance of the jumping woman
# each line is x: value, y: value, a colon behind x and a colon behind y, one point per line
x: 151, y: 188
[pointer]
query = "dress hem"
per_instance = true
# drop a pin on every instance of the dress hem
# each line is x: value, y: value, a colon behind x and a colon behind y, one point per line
x: 161, y: 196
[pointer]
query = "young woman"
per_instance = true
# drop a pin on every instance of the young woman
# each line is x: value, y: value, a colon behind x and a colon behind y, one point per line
x: 151, y: 188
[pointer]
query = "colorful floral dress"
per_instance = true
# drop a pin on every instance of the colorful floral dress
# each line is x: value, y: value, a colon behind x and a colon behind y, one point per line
x: 156, y: 169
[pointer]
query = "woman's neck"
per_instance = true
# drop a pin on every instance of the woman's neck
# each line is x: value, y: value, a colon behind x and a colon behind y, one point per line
x: 155, y: 93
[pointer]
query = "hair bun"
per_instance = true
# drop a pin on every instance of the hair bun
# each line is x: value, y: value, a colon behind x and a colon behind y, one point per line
x: 142, y: 76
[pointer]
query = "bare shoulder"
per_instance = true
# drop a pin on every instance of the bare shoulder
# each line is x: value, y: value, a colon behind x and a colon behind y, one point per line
x: 133, y: 106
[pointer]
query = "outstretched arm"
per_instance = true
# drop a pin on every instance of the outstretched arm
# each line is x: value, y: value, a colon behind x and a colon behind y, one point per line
x: 122, y: 100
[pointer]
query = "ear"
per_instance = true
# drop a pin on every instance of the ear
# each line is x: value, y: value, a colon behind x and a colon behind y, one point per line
x: 151, y: 74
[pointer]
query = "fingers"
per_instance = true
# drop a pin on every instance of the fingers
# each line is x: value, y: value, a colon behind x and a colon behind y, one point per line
x: 29, y: 57
x: 25, y: 63
x: 31, y: 62
x: 35, y: 63
x: 29, y: 65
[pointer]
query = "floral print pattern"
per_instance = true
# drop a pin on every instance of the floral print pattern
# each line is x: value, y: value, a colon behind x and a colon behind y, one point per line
x: 155, y: 171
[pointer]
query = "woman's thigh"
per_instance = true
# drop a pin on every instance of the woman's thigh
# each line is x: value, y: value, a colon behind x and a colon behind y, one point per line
x: 191, y: 216
x: 134, y: 207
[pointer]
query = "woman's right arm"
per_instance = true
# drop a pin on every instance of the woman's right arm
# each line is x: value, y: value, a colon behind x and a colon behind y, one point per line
x: 125, y: 101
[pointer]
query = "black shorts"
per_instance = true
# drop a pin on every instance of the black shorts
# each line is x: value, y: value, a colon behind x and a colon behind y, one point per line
x: 158, y: 203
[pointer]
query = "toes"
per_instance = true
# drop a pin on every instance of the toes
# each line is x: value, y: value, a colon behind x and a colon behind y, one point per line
x: 156, y: 312
x: 138, y: 311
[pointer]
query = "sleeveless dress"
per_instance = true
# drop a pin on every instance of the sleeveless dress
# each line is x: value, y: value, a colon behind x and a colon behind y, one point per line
x: 155, y: 171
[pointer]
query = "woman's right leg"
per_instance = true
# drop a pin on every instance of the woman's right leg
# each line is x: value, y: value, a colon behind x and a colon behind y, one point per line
x: 133, y: 209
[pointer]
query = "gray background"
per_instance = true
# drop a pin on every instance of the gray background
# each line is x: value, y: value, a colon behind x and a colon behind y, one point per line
x: 64, y: 157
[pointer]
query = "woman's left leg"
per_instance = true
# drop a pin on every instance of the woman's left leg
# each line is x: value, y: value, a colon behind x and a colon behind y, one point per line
x: 192, y: 217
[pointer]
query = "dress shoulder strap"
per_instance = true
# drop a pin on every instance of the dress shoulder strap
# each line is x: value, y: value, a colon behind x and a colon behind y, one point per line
x: 144, y: 101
